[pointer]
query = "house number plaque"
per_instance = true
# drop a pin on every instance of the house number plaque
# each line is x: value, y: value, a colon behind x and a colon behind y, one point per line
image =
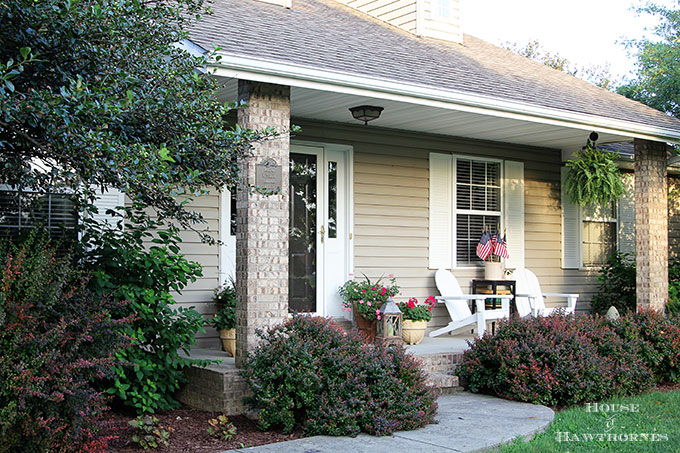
x: 268, y: 175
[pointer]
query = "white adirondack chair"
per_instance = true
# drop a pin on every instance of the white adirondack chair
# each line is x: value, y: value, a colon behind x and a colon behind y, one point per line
x: 530, y: 300
x: 457, y: 305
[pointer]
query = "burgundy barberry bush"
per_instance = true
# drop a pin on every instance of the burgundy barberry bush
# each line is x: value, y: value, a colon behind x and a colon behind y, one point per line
x: 56, y: 340
x: 558, y: 361
x: 309, y: 372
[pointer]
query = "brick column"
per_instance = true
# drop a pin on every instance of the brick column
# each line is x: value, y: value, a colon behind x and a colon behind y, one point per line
x: 651, y: 224
x: 262, y: 220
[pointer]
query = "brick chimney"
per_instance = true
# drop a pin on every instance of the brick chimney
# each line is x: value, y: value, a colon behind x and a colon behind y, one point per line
x: 432, y: 18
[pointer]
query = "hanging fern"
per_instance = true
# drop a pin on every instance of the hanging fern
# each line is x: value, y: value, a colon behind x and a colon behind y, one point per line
x: 594, y: 177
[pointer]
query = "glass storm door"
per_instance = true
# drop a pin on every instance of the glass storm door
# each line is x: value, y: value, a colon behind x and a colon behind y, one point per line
x: 319, y: 239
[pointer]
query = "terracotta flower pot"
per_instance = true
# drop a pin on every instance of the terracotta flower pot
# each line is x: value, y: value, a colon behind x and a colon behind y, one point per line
x: 366, y: 328
x: 228, y: 337
x: 413, y: 332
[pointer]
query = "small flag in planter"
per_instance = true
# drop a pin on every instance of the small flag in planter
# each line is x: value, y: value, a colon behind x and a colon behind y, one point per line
x: 484, y: 246
x: 501, y: 247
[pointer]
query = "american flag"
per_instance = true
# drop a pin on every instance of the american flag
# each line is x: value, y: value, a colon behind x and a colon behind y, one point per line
x: 501, y: 248
x: 484, y: 246
x: 494, y: 238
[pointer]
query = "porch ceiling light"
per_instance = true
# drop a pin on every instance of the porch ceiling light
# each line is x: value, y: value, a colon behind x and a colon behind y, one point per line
x: 366, y: 113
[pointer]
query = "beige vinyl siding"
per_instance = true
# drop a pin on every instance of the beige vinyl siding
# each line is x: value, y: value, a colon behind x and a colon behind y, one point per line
x: 199, y: 294
x: 400, y: 13
x: 439, y: 27
x: 391, y: 204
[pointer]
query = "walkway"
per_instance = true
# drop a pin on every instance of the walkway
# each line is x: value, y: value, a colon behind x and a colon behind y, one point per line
x: 467, y: 422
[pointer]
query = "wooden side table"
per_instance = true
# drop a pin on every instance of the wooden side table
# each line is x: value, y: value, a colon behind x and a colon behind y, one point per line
x: 495, y: 287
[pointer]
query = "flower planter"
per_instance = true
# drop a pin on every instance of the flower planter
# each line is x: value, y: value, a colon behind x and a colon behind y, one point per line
x: 367, y: 328
x: 413, y: 332
x: 228, y: 337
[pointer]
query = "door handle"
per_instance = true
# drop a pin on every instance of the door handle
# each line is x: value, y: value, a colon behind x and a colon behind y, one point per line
x: 322, y: 233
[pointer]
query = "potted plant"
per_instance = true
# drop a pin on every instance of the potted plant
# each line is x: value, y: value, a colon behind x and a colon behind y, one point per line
x: 416, y: 317
x: 225, y: 319
x: 365, y: 298
x: 594, y: 177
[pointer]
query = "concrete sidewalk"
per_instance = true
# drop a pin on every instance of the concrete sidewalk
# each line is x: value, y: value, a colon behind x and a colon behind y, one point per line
x: 467, y: 422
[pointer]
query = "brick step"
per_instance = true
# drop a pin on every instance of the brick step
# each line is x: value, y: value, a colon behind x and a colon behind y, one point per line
x: 445, y: 383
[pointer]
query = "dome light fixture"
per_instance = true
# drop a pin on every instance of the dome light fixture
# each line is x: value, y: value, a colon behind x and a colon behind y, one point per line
x: 366, y: 113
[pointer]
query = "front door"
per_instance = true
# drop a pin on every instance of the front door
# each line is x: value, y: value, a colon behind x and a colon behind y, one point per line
x: 319, y: 229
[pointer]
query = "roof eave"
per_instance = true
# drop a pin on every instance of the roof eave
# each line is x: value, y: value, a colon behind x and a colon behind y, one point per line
x: 269, y: 71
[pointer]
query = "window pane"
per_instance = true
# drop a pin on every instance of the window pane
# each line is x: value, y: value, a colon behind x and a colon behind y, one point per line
x: 463, y: 171
x: 332, y: 200
x: 469, y: 229
x: 479, y: 173
x: 599, y: 211
x: 463, y: 197
x: 493, y: 199
x: 21, y: 212
x: 493, y: 174
x: 599, y: 242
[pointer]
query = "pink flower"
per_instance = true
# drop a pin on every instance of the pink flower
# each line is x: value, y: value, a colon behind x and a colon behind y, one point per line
x: 383, y: 291
x: 368, y: 303
x: 350, y: 274
x: 363, y: 290
x: 361, y: 301
x: 391, y: 276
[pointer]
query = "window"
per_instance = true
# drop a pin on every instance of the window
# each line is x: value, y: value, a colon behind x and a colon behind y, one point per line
x: 466, y: 195
x: 599, y: 225
x: 22, y: 212
x: 591, y: 234
x: 442, y: 8
x: 477, y: 205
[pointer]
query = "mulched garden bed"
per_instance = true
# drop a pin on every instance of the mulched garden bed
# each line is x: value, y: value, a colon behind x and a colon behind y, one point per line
x: 190, y: 432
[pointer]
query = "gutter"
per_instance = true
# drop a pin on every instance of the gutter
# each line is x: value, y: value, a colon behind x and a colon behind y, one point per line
x: 267, y: 71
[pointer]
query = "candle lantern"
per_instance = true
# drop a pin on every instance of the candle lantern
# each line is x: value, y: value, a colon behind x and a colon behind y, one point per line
x: 389, y: 326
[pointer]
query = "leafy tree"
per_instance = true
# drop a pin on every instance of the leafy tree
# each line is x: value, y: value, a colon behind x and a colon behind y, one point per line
x: 597, y: 75
x: 657, y: 80
x: 98, y: 94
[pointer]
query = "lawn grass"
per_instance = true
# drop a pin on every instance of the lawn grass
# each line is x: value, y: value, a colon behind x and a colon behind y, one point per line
x: 658, y: 416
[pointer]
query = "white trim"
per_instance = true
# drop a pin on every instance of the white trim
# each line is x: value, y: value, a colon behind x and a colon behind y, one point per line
x: 260, y: 70
x: 227, y: 248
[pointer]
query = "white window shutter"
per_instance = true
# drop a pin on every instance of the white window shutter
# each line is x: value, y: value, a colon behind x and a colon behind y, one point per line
x: 571, y: 229
x: 513, y: 211
x: 441, y: 211
x: 626, y: 233
x: 111, y: 199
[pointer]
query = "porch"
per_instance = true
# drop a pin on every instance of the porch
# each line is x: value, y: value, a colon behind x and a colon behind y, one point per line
x: 219, y: 387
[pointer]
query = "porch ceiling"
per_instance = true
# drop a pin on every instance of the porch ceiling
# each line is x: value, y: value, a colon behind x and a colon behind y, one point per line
x: 331, y: 106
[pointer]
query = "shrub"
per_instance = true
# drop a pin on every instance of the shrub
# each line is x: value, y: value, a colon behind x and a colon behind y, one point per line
x: 221, y: 428
x: 142, y: 267
x: 673, y: 305
x: 617, y: 285
x: 657, y: 338
x: 56, y: 338
x: 558, y: 361
x: 308, y: 371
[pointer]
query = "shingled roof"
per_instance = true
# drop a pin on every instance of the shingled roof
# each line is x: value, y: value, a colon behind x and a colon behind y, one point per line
x: 323, y: 34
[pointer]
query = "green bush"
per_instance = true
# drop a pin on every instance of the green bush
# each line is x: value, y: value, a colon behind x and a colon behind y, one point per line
x: 657, y: 340
x: 56, y: 339
x: 557, y: 360
x: 143, y: 266
x: 308, y: 371
x: 617, y: 285
x: 673, y: 305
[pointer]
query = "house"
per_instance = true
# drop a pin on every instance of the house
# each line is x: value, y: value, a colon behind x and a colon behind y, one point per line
x: 470, y: 135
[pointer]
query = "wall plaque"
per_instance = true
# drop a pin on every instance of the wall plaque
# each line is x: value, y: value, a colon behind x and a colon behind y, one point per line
x: 268, y: 175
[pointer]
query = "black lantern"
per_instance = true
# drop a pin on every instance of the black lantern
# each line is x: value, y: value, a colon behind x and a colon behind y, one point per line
x: 366, y: 113
x: 389, y: 326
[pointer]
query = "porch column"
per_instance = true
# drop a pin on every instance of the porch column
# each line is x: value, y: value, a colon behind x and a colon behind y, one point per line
x: 262, y: 220
x: 651, y: 224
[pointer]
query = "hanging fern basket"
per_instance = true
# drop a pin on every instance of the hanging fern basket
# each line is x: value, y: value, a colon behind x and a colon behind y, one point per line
x: 593, y: 177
